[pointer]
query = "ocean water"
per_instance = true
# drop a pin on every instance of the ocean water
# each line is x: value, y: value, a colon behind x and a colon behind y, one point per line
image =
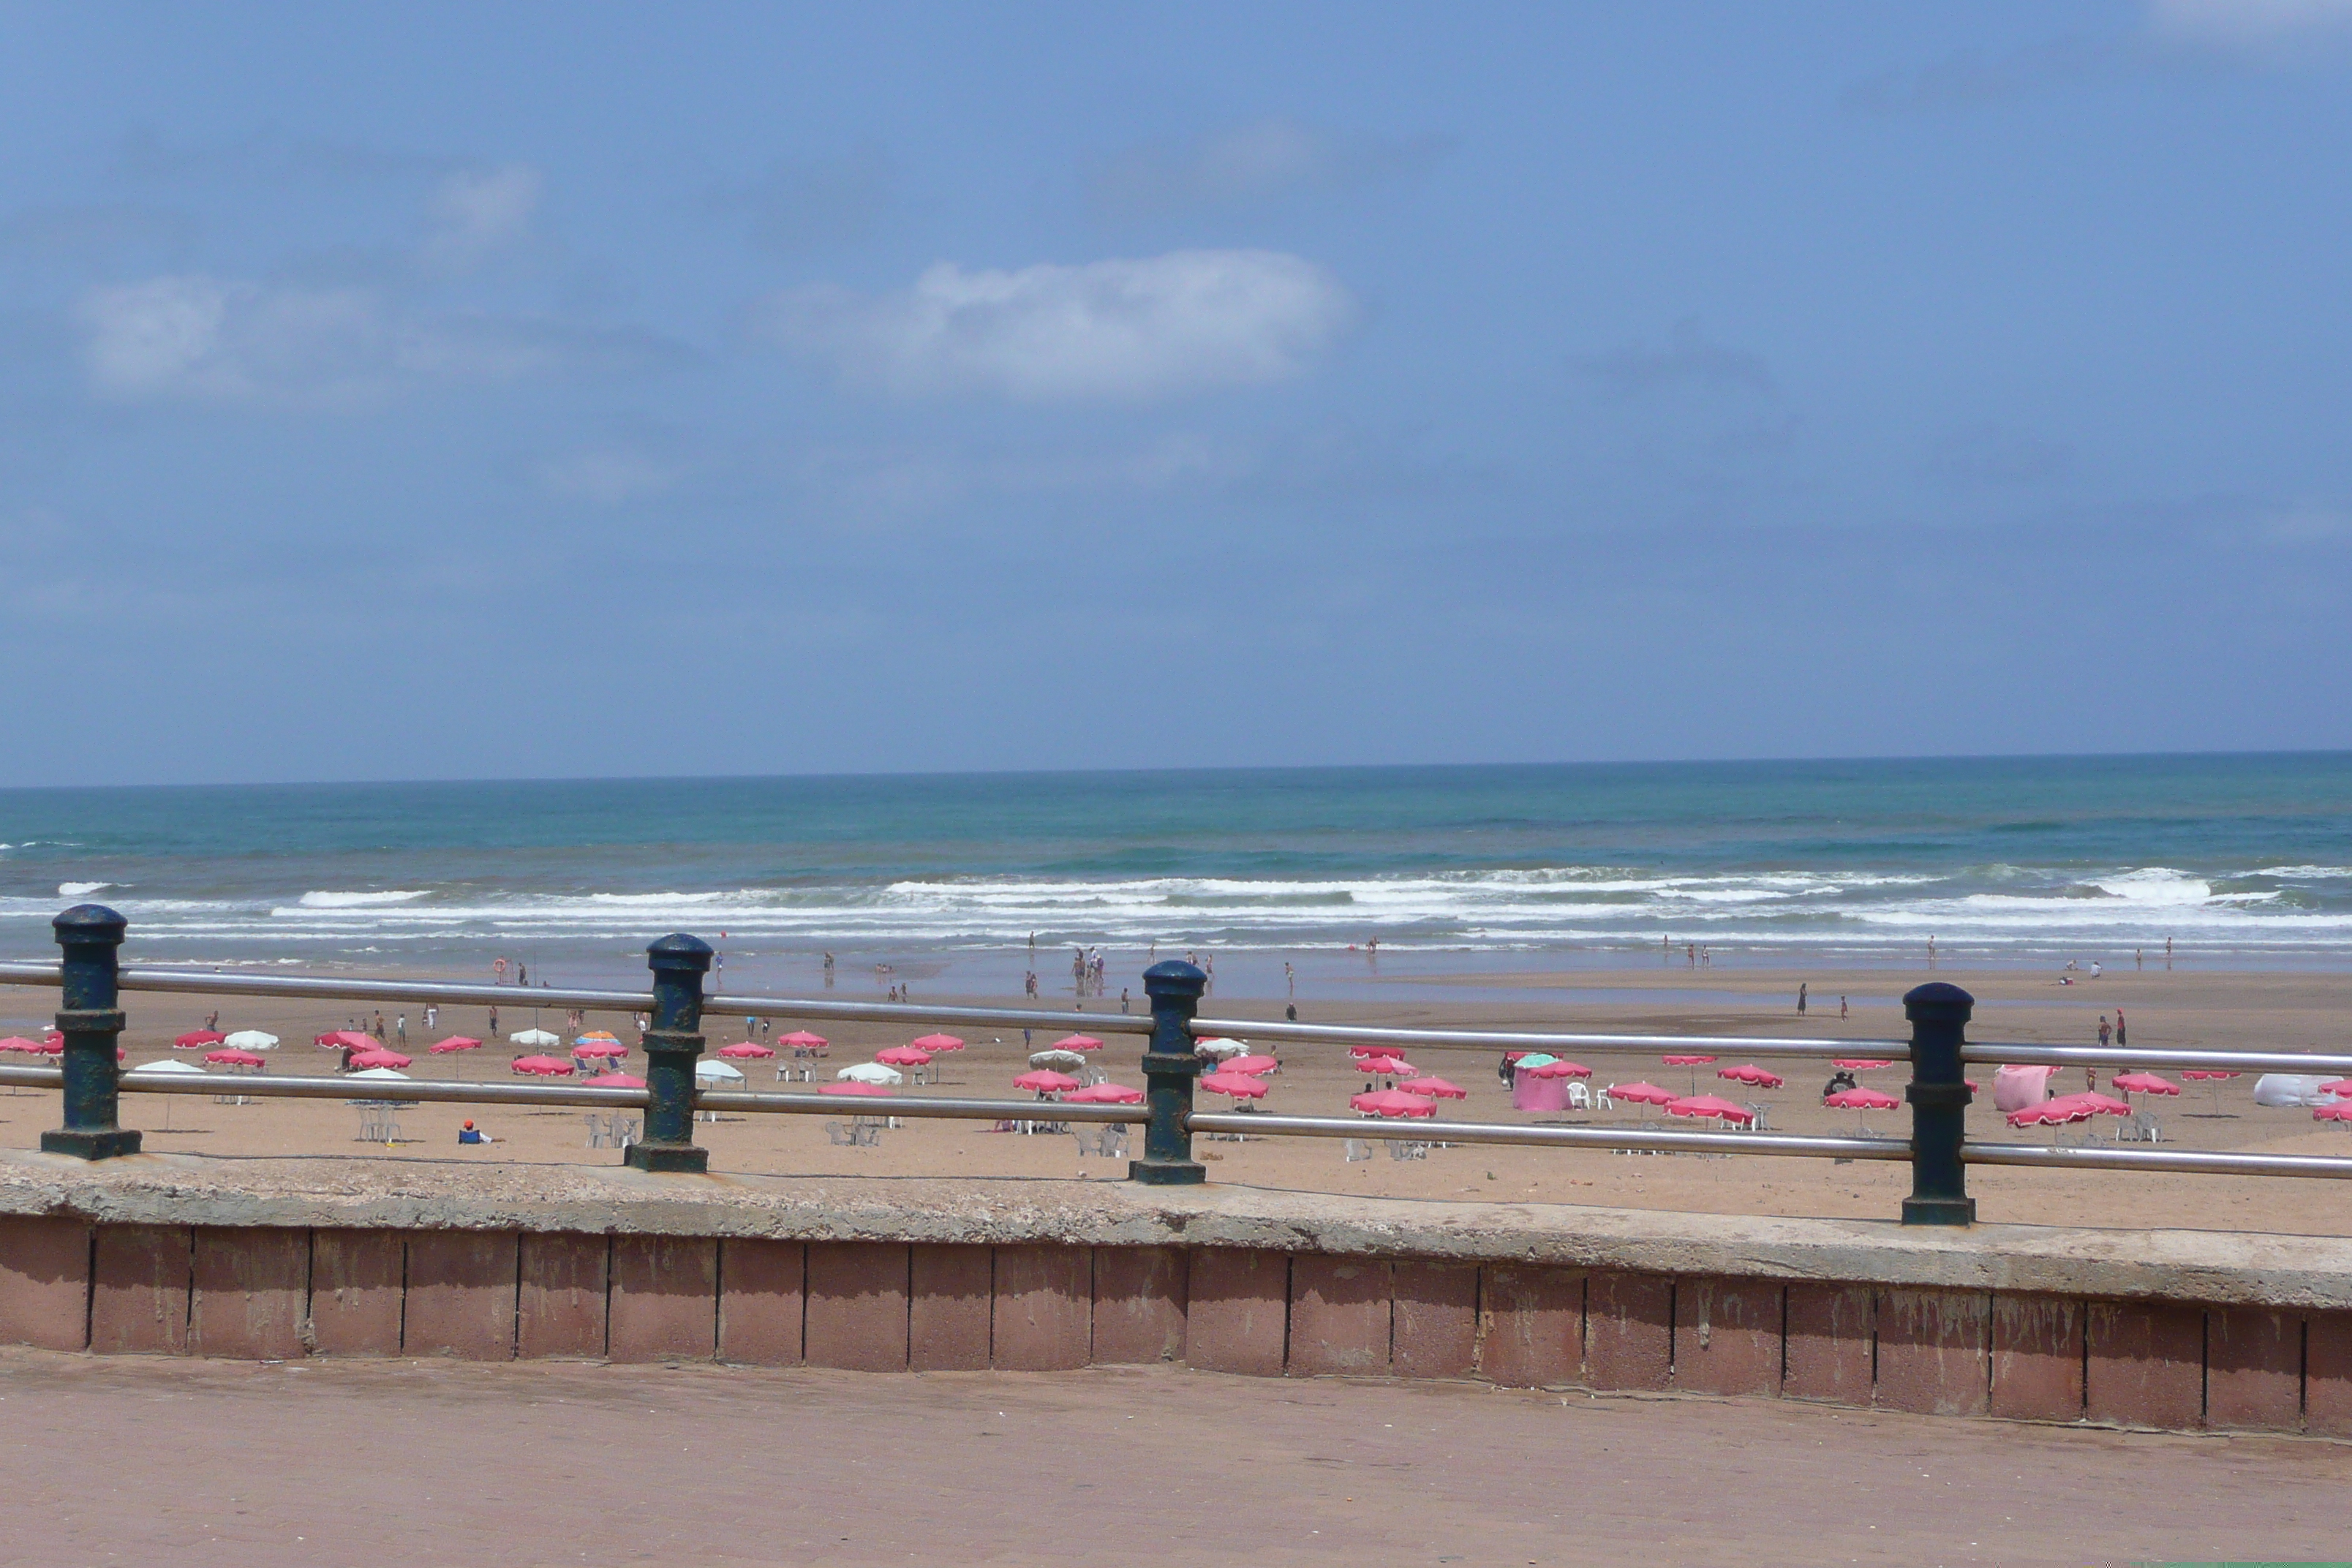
x: 2011, y: 860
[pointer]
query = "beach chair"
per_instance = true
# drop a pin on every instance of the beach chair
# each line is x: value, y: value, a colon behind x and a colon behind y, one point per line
x: 1600, y: 1101
x: 840, y: 1135
x: 1399, y: 1148
x: 377, y: 1122
x: 1760, y: 1111
x: 595, y: 1130
x: 1577, y: 1098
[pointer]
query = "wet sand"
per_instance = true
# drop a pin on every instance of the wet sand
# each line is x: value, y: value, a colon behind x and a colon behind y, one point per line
x: 2227, y: 1010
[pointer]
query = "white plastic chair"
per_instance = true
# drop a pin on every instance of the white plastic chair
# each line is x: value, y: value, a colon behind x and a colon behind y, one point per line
x: 1577, y: 1098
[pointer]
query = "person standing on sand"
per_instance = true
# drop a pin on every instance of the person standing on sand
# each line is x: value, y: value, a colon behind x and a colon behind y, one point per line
x: 2121, y: 1039
x: 431, y: 1014
x: 400, y: 1027
x: 2107, y: 1035
x: 1800, y: 998
x: 1122, y: 999
x: 828, y: 972
x: 1931, y: 953
x: 1841, y: 1007
x: 494, y: 1023
x: 1690, y: 951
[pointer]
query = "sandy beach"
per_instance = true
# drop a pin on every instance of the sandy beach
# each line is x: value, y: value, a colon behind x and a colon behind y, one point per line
x: 2184, y: 1007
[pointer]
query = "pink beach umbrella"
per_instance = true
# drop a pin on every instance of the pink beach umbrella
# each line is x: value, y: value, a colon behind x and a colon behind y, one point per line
x: 2338, y: 1085
x: 1859, y: 1099
x: 1561, y: 1067
x: 1392, y: 1102
x: 935, y: 1043
x: 198, y: 1039
x: 1642, y: 1094
x: 2133, y: 1083
x: 1104, y: 1094
x: 902, y: 1057
x: 802, y: 1040
x: 851, y: 1086
x: 1077, y: 1043
x: 378, y: 1058
x: 541, y: 1067
x: 1256, y: 1067
x: 454, y: 1043
x: 2212, y: 1075
x: 1233, y: 1085
x: 1712, y: 1105
x: 2339, y: 1111
x: 234, y: 1058
x: 345, y: 1040
x: 1434, y: 1088
x: 18, y: 1043
x: 1859, y: 1064
x: 614, y: 1081
x: 1045, y: 1080
x: 1692, y: 1062
x: 1751, y: 1074
x: 1387, y: 1067
x: 597, y: 1049
x: 745, y: 1050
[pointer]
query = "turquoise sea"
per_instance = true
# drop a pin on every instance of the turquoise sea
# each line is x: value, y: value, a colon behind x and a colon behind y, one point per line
x: 2014, y: 860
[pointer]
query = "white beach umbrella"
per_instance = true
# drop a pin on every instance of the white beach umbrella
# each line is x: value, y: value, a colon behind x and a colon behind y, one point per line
x: 380, y: 1073
x: 1219, y: 1047
x: 1060, y: 1062
x: 711, y: 1071
x: 871, y: 1072
x: 535, y: 1038
x: 166, y: 1068
x: 250, y: 1041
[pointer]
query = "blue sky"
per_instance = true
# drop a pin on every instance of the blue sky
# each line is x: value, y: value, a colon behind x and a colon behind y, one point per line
x: 462, y: 391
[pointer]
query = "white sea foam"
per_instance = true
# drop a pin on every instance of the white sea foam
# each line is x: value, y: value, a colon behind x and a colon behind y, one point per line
x: 81, y: 890
x: 332, y: 901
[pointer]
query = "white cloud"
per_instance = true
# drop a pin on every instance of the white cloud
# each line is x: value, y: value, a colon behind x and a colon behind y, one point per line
x: 1182, y: 322
x: 2256, y: 24
x: 477, y: 212
x: 203, y: 339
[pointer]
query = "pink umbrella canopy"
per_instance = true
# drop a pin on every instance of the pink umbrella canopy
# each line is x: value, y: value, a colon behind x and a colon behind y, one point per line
x: 1104, y: 1094
x: 2339, y: 1111
x: 1256, y: 1067
x: 1234, y: 1085
x: 1750, y: 1074
x: 1861, y: 1100
x: 937, y: 1043
x: 378, y: 1058
x: 1642, y: 1093
x: 234, y: 1058
x: 1435, y: 1089
x: 1859, y: 1064
x: 2051, y: 1112
x: 1393, y: 1103
x: 1560, y: 1069
x: 614, y: 1081
x: 802, y: 1040
x: 454, y: 1043
x: 1387, y: 1067
x: 542, y: 1067
x: 903, y: 1056
x: 344, y: 1040
x: 615, y: 1049
x: 198, y: 1039
x: 744, y: 1050
x: 2202, y: 1074
x: 2101, y: 1104
x: 851, y: 1086
x: 18, y: 1043
x: 1077, y: 1043
x: 2148, y: 1083
x: 1710, y: 1105
x: 1045, y: 1080
x: 1686, y: 1061
x: 2333, y: 1086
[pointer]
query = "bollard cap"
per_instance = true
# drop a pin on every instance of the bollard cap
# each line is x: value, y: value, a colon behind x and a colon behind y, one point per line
x: 1174, y: 978
x: 90, y: 924
x: 1937, y: 1002
x: 678, y: 951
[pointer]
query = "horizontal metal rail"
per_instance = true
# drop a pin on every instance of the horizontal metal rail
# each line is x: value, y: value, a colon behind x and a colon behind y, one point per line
x: 1500, y: 1039
x: 2306, y: 1063
x: 1073, y: 1023
x: 432, y: 1091
x: 1659, y: 1140
x: 2188, y: 1162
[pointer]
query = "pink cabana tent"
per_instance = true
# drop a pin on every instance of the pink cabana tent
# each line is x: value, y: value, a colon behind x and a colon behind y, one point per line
x: 2017, y: 1088
x: 1104, y: 1094
x: 1233, y: 1085
x: 541, y: 1067
x: 1392, y: 1102
x: 454, y: 1043
x: 1753, y: 1076
x: 1710, y: 1105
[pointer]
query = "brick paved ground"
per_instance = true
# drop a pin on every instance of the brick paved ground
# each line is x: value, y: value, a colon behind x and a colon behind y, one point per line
x: 202, y: 1463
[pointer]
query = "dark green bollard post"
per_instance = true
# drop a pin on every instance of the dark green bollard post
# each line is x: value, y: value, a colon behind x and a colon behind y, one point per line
x: 678, y: 963
x: 91, y: 935
x: 1939, y: 1096
x: 1169, y: 1065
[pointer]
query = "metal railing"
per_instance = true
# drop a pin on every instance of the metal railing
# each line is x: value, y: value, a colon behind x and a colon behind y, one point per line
x: 1937, y: 1150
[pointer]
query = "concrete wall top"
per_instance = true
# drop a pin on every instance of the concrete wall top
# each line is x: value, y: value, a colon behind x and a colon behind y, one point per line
x: 2217, y: 1267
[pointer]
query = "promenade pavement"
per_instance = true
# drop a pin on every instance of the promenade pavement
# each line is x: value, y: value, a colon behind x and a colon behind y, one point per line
x: 201, y: 1463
